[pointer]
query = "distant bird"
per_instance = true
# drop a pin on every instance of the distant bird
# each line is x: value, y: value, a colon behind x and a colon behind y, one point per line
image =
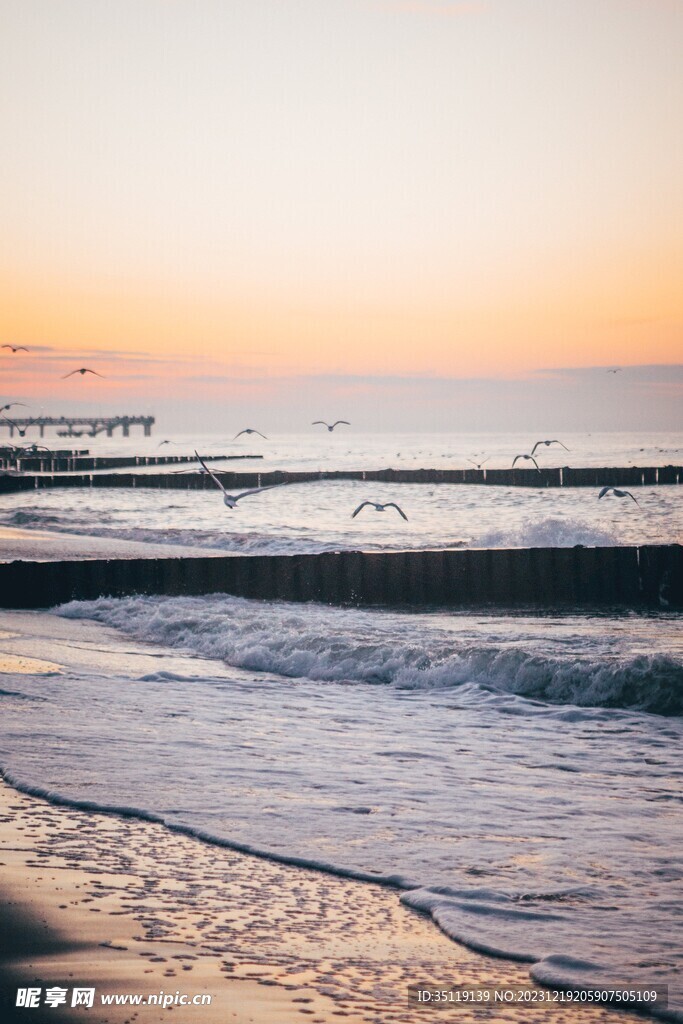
x: 83, y: 370
x: 547, y: 443
x: 380, y: 508
x: 525, y: 457
x: 21, y: 430
x: 250, y: 430
x: 617, y: 369
x: 16, y: 348
x: 231, y: 499
x: 162, y: 443
x: 479, y: 464
x: 33, y: 449
x: 329, y: 426
x: 617, y: 494
x: 9, y: 406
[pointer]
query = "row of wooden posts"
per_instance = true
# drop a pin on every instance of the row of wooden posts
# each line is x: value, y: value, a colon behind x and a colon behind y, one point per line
x: 649, y: 576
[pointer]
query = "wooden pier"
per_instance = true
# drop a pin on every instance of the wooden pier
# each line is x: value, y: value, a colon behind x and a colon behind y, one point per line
x: 66, y: 425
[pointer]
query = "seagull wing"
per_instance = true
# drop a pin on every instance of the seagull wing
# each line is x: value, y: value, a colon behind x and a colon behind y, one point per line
x: 604, y: 491
x: 10, y: 421
x: 534, y: 462
x: 20, y: 348
x: 212, y: 475
x: 254, y: 490
x: 484, y: 462
x: 93, y: 371
x: 316, y: 422
x: 537, y: 445
x: 6, y: 346
x: 559, y: 442
x: 337, y: 422
x: 260, y: 434
x: 392, y: 504
x: 239, y: 435
x: 70, y: 374
x: 515, y: 459
x: 628, y: 493
x: 354, y: 514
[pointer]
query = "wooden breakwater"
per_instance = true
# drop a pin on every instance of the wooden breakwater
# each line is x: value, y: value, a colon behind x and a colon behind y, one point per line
x: 610, y: 476
x: 58, y: 453
x: 650, y: 576
x: 65, y: 462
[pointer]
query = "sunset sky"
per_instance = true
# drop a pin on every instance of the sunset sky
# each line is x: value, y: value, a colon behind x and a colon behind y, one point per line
x: 390, y: 207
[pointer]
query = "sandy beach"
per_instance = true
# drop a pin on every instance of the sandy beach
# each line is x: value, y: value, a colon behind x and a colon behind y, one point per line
x: 129, y: 907
x: 45, y: 545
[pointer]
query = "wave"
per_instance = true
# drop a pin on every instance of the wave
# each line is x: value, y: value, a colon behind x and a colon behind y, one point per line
x: 521, y: 929
x: 552, y: 532
x: 297, y: 643
x: 485, y: 920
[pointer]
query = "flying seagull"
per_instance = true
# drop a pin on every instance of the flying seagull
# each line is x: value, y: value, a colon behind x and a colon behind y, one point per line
x: 525, y: 457
x: 330, y: 427
x: 10, y: 404
x: 617, y: 493
x: 21, y: 430
x: 380, y: 508
x: 16, y: 348
x: 33, y: 449
x: 479, y: 464
x: 250, y: 430
x: 547, y: 444
x: 617, y: 369
x: 83, y: 370
x: 231, y: 499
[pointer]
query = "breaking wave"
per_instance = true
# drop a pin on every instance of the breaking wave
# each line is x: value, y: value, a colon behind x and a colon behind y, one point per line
x: 350, y: 647
x: 552, y: 532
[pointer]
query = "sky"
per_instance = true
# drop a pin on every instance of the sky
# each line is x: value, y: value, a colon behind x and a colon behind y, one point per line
x: 425, y: 214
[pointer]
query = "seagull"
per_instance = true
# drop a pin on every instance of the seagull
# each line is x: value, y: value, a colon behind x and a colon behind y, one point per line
x: 615, y: 370
x: 250, y: 430
x: 21, y: 430
x: 617, y: 493
x: 9, y: 406
x: 83, y: 370
x: 525, y: 457
x: 231, y: 499
x: 479, y: 464
x: 32, y: 449
x: 547, y: 443
x: 16, y: 348
x: 380, y: 508
x: 330, y: 427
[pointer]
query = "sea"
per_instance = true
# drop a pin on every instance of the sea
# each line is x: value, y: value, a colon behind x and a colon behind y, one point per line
x: 516, y: 776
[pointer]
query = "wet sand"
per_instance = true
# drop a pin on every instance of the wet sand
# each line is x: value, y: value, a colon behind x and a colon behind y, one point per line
x: 130, y: 907
x: 45, y: 545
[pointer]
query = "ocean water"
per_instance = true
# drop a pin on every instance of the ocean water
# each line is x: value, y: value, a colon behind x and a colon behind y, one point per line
x: 318, y: 516
x: 517, y: 777
x: 346, y: 448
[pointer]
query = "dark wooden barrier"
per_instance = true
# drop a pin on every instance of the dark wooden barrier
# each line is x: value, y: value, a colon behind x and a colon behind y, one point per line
x: 61, y: 462
x: 628, y: 477
x: 649, y: 576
